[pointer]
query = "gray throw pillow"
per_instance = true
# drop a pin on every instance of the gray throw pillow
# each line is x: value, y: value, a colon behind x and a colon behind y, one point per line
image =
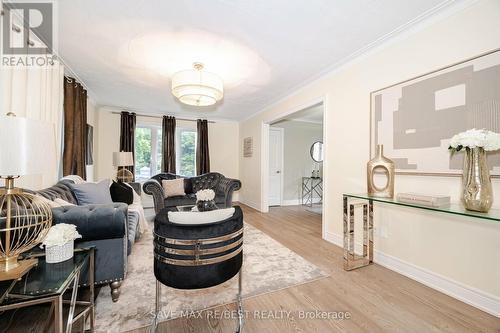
x: 92, y: 193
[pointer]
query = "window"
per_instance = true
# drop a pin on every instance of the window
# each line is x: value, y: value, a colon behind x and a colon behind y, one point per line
x: 186, y: 152
x: 148, y: 151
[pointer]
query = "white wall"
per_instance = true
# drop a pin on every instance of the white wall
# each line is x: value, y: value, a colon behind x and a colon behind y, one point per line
x: 297, y: 161
x: 222, y: 137
x: 460, y: 250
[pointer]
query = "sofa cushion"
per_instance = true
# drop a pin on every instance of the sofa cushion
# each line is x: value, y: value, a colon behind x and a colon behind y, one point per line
x: 92, y: 193
x: 121, y: 192
x: 188, y: 185
x: 62, y: 203
x: 188, y: 199
x: 57, y: 202
x: 173, y: 187
x: 60, y: 190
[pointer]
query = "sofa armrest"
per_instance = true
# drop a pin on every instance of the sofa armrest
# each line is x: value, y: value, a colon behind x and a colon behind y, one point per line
x: 226, y: 187
x: 154, y: 188
x: 94, y: 222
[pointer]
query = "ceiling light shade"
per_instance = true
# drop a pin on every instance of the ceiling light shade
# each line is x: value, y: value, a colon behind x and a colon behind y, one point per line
x: 197, y: 87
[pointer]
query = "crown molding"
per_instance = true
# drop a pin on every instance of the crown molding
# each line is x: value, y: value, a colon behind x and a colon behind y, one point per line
x: 113, y: 108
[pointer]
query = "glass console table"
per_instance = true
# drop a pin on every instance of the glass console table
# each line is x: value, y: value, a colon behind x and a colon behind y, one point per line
x: 351, y: 201
x: 47, y: 283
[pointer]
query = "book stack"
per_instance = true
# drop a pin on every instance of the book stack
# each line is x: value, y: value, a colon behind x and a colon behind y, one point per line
x: 424, y: 200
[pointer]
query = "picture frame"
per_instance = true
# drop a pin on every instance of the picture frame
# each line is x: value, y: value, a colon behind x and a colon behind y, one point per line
x: 248, y: 147
x: 415, y: 119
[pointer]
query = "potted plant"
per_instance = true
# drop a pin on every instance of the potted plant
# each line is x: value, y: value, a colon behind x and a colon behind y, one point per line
x: 205, y: 200
x: 59, y: 242
x: 477, y: 194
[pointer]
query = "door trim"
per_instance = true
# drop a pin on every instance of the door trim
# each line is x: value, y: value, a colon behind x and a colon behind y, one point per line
x: 282, y: 158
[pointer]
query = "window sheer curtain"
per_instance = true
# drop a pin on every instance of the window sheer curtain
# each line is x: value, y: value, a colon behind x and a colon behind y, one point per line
x: 202, y: 152
x: 168, y: 162
x: 75, y: 128
x: 36, y: 93
x: 127, y: 135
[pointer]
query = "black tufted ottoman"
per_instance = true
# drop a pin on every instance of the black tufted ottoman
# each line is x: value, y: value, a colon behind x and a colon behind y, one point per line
x: 194, y: 256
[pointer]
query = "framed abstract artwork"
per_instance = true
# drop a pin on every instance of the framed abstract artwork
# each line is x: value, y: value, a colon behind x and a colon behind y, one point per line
x: 415, y: 119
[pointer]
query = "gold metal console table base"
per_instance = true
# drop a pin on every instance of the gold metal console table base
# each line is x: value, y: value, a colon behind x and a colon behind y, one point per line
x: 351, y: 259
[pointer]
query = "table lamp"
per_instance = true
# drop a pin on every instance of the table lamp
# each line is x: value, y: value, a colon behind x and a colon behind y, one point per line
x: 121, y: 160
x: 27, y: 147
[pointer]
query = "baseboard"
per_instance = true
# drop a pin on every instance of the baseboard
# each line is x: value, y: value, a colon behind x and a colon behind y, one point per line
x: 297, y: 202
x: 470, y: 295
x: 334, y: 238
x: 249, y: 203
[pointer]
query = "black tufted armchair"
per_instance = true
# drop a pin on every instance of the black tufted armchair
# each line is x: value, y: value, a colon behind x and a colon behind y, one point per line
x: 222, y: 186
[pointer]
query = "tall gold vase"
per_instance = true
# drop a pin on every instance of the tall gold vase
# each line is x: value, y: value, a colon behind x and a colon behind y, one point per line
x: 477, y: 193
x: 380, y: 163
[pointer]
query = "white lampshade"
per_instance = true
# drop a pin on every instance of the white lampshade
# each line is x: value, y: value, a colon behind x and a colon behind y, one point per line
x: 197, y: 87
x: 123, y: 158
x: 27, y: 147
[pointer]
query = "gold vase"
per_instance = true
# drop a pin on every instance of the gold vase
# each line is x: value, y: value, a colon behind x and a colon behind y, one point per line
x: 477, y: 192
x: 377, y: 164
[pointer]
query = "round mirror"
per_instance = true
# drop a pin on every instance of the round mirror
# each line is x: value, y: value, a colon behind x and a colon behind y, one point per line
x: 317, y: 151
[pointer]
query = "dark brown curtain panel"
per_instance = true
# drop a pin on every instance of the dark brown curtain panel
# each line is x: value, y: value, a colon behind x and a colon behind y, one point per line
x: 127, y: 135
x: 75, y: 128
x: 202, y: 154
x: 168, y: 144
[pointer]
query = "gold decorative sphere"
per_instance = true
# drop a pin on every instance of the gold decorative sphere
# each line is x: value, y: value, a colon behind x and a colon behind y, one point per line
x: 24, y: 221
x: 124, y: 175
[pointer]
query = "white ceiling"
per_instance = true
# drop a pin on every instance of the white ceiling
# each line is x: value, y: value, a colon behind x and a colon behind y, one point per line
x: 125, y: 50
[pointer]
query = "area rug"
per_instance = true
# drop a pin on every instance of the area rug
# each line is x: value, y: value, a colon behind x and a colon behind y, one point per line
x: 267, y: 266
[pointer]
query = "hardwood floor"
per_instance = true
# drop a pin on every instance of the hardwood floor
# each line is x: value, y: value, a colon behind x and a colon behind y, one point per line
x: 377, y: 299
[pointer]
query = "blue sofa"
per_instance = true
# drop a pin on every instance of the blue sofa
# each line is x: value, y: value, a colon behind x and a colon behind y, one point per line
x: 108, y: 227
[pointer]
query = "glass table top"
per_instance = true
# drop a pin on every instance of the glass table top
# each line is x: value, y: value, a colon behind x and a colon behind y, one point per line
x: 453, y: 208
x: 186, y: 208
x: 44, y: 279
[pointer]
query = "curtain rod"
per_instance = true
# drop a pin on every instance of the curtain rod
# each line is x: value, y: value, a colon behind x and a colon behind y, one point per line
x: 152, y: 116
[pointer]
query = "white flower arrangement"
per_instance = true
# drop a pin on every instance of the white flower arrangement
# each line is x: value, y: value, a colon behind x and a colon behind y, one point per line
x: 60, y: 234
x: 205, y: 195
x: 475, y: 138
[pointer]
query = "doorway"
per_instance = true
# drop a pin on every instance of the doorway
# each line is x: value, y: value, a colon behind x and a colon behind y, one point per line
x: 294, y: 159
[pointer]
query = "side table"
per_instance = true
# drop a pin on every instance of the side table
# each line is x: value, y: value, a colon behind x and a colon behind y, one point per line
x: 311, y: 186
x: 47, y: 283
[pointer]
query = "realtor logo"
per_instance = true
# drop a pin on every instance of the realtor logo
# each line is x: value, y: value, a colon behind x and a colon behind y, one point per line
x: 27, y: 33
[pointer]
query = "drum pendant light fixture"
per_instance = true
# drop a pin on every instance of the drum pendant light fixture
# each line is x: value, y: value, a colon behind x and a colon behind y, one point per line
x: 197, y: 87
